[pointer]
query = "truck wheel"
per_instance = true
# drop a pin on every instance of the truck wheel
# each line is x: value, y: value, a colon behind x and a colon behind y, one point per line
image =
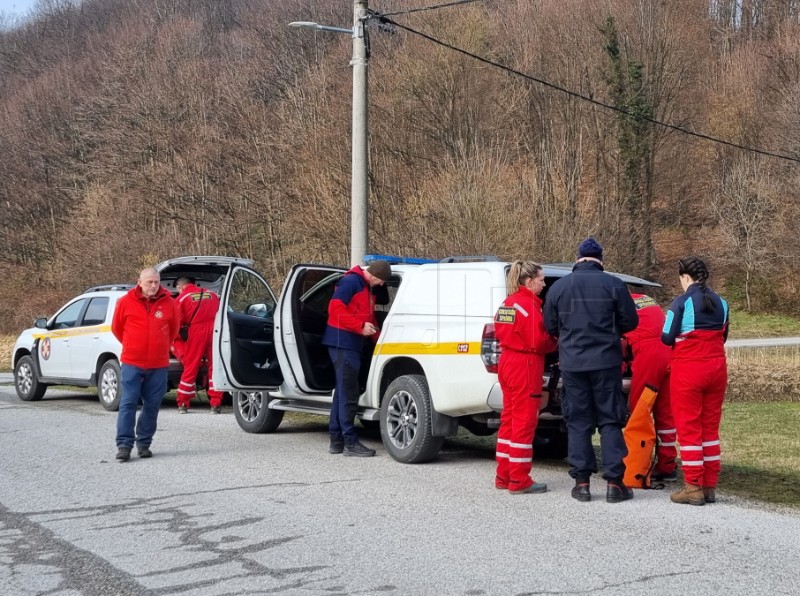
x: 406, y: 421
x: 25, y: 382
x: 108, y: 389
x: 252, y: 413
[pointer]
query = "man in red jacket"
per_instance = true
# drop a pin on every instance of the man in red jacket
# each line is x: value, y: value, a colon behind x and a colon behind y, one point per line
x: 146, y: 323
x: 351, y: 322
x: 198, y: 308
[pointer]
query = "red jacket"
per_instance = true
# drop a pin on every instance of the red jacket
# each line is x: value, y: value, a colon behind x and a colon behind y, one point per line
x: 651, y: 322
x: 351, y: 307
x: 519, y: 324
x: 146, y: 327
x: 206, y: 310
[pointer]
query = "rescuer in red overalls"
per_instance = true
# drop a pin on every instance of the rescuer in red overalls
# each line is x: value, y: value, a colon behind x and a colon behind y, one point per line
x: 519, y: 328
x: 198, y: 309
x: 697, y: 327
x: 651, y: 367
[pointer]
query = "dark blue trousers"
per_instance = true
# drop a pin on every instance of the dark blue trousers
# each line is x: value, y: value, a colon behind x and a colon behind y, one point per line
x: 139, y: 385
x: 594, y: 399
x: 346, y: 365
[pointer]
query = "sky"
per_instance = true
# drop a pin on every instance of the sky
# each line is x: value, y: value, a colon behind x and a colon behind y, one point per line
x: 16, y: 8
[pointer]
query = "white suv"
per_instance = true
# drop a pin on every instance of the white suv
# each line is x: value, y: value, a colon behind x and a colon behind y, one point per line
x: 75, y: 347
x: 431, y: 371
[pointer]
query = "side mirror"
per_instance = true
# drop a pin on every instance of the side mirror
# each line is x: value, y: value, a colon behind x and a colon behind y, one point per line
x: 258, y: 310
x: 40, y: 323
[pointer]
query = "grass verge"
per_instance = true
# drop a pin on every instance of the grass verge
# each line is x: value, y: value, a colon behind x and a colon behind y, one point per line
x: 745, y: 325
x: 761, y: 451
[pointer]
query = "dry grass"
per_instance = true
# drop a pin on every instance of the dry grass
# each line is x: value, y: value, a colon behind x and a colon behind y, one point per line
x: 6, y: 345
x: 764, y: 374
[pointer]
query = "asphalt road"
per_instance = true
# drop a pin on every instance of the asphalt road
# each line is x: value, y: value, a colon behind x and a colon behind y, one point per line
x: 218, y: 511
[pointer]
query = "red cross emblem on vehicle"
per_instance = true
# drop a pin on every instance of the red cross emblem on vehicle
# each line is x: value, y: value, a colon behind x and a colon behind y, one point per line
x: 44, y: 348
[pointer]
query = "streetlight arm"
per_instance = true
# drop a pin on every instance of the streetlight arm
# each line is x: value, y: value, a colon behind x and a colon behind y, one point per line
x: 318, y: 27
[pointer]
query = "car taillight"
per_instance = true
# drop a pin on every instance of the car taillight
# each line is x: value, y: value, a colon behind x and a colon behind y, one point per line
x: 490, y: 348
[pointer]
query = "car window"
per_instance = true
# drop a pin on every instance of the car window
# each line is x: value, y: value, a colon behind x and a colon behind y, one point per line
x: 69, y: 316
x: 96, y: 312
x: 249, y: 295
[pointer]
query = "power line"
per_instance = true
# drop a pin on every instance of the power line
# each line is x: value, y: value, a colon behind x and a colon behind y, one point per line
x: 410, y: 10
x: 382, y: 18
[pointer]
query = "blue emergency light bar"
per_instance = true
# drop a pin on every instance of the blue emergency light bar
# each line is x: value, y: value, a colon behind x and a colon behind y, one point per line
x: 395, y: 260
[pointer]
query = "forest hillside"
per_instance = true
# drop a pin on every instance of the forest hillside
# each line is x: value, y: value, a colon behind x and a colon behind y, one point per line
x: 136, y: 130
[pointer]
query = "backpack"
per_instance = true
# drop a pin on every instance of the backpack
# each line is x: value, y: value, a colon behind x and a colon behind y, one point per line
x: 640, y: 438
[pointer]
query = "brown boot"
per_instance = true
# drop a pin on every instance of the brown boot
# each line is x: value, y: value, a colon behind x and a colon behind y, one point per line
x: 689, y: 495
x: 710, y: 494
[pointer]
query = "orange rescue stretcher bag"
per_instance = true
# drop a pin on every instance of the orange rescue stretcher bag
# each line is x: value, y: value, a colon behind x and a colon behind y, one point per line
x: 640, y: 438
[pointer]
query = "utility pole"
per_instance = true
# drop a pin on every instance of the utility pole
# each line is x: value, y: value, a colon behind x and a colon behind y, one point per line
x: 359, y: 187
x: 359, y: 202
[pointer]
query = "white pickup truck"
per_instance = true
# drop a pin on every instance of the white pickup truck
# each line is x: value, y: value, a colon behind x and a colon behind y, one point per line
x: 432, y: 369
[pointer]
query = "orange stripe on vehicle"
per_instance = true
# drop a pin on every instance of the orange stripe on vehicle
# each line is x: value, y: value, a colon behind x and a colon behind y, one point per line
x: 90, y: 330
x: 454, y: 348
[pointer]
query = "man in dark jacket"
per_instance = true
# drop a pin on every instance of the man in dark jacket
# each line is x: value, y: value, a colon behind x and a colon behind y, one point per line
x: 351, y: 321
x: 589, y: 310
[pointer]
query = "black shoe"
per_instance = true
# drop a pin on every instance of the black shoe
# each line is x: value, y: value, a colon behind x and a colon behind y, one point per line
x: 144, y: 452
x: 618, y: 492
x: 358, y: 450
x: 581, y: 491
x: 336, y: 447
x: 665, y: 476
x: 123, y: 454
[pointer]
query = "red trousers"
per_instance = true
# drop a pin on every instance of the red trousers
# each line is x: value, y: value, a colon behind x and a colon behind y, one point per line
x: 191, y: 354
x: 698, y: 390
x: 651, y: 367
x: 520, y: 376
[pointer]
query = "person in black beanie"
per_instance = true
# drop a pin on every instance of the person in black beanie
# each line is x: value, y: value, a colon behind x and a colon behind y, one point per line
x: 589, y: 311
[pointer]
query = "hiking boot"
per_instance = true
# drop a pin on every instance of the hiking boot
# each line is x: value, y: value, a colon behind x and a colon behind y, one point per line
x: 216, y: 409
x: 123, y: 454
x: 665, y: 476
x: 336, y: 447
x: 358, y: 450
x: 581, y: 491
x: 690, y: 494
x: 709, y: 494
x: 144, y: 452
x: 183, y: 410
x: 617, y: 492
x: 535, y: 488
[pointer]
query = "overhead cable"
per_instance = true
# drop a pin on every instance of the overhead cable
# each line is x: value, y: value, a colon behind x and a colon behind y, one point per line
x: 575, y: 94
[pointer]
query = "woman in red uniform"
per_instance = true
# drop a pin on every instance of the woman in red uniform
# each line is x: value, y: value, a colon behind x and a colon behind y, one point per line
x: 519, y: 328
x: 697, y: 327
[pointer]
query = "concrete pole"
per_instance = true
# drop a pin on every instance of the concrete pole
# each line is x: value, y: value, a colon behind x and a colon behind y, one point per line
x: 359, y: 203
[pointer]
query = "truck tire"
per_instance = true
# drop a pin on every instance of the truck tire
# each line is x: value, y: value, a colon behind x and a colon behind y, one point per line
x: 108, y: 385
x: 25, y: 381
x: 252, y: 413
x: 406, y: 421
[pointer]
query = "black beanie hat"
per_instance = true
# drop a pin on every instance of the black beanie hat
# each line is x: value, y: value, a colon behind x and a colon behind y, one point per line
x: 590, y: 248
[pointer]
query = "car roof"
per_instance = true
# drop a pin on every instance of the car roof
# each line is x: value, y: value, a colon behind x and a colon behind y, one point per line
x: 550, y: 269
x: 203, y: 260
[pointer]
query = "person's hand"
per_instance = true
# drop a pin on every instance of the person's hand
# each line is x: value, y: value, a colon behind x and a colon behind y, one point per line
x: 368, y: 329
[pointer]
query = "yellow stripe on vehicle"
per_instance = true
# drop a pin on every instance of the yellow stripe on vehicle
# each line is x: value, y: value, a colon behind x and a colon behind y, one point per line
x: 415, y: 348
x: 74, y: 332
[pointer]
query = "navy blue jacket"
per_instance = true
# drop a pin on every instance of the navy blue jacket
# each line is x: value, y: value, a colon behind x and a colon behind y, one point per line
x: 589, y: 310
x: 351, y: 306
x: 695, y: 333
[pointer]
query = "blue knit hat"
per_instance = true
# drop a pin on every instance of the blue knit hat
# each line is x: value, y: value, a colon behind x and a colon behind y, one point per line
x: 590, y: 248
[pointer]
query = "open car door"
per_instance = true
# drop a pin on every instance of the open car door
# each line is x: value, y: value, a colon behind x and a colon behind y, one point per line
x: 303, y: 316
x: 244, y: 343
